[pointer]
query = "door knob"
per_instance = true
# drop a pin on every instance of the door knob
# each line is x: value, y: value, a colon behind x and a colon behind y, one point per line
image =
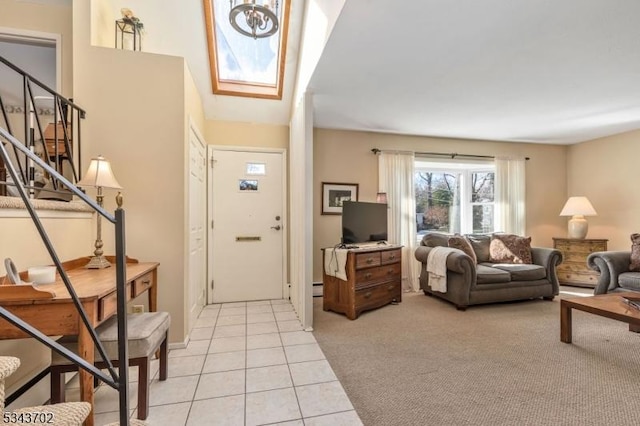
x: 277, y: 227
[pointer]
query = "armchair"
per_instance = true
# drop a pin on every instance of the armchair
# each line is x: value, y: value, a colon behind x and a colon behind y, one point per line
x: 615, y: 275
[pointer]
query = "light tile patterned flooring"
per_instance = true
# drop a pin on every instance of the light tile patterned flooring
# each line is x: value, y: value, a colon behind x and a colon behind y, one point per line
x: 248, y: 363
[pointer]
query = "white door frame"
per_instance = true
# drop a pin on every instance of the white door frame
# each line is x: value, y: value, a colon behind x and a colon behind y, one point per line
x: 286, y: 290
x: 18, y: 34
x: 202, y: 297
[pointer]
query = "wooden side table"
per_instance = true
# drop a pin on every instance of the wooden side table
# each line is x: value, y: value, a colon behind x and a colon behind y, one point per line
x: 574, y: 270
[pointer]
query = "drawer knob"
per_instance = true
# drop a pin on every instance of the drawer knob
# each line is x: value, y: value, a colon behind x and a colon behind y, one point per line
x: 368, y: 275
x: 370, y: 260
x: 367, y: 295
x: 393, y: 256
x: 391, y: 287
x: 390, y: 271
x: 146, y: 282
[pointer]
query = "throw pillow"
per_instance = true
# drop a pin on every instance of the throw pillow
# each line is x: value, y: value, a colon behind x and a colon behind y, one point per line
x: 435, y: 239
x: 509, y: 248
x: 480, y: 244
x: 634, y: 266
x: 461, y: 243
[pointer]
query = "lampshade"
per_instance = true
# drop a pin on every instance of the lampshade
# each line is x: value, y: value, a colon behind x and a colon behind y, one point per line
x: 578, y: 206
x: 381, y: 197
x: 100, y: 175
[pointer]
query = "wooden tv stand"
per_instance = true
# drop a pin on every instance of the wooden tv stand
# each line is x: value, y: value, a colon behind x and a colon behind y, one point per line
x: 374, y: 279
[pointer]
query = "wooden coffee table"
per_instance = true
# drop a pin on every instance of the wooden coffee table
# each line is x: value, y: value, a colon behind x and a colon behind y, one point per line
x: 606, y: 305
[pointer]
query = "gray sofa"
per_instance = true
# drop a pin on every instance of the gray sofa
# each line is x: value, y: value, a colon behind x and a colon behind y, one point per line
x: 614, y: 272
x: 469, y: 283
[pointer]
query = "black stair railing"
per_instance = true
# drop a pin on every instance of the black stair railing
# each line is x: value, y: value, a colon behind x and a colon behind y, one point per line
x: 60, y: 147
x: 117, y: 380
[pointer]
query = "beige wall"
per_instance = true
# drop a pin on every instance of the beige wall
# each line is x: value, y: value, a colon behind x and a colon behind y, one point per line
x: 72, y: 237
x: 135, y: 118
x: 102, y: 23
x: 604, y: 171
x: 345, y: 156
x: 244, y: 134
x: 49, y: 18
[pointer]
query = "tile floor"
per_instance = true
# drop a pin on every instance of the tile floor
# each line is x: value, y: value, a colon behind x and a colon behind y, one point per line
x: 248, y: 363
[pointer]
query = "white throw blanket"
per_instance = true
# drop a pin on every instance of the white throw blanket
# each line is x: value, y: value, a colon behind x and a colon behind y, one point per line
x: 437, y: 268
x: 335, y: 261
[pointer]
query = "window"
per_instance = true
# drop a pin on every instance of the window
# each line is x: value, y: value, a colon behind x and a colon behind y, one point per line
x: 454, y: 196
x: 241, y: 65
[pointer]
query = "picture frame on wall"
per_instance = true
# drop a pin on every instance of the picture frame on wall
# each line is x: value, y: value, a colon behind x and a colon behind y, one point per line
x: 334, y: 194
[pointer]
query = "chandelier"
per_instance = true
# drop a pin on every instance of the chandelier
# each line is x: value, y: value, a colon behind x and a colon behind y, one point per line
x: 260, y: 17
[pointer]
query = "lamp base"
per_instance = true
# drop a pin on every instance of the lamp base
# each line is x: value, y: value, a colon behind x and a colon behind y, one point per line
x: 98, y: 262
x: 578, y: 227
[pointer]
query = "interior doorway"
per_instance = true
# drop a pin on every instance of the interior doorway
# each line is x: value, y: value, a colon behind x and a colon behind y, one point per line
x: 247, y: 235
x: 197, y: 223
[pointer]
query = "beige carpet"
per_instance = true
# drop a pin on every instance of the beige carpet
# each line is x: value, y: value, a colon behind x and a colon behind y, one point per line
x: 422, y: 362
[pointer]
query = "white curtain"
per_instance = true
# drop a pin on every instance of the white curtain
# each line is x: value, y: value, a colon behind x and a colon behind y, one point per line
x: 510, y: 195
x: 395, y: 177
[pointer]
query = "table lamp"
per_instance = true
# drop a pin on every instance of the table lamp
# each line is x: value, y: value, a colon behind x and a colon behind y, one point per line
x: 99, y: 175
x: 578, y: 208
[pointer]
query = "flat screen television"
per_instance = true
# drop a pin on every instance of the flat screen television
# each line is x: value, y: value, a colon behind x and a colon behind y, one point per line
x: 363, y: 222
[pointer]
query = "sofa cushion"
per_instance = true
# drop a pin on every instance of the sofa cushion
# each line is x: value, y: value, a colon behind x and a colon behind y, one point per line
x: 634, y: 266
x: 435, y: 239
x: 461, y: 243
x: 490, y: 275
x: 629, y: 280
x: 509, y: 248
x: 523, y: 272
x: 480, y: 244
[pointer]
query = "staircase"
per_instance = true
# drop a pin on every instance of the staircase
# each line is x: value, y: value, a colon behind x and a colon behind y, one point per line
x: 51, y: 131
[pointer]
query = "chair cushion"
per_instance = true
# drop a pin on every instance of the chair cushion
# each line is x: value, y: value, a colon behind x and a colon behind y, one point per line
x: 490, y: 275
x: 461, y: 243
x: 629, y: 280
x: 509, y: 248
x: 522, y: 272
x: 146, y: 331
x: 480, y: 244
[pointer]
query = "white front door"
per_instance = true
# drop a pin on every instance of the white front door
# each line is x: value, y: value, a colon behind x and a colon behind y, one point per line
x: 197, y: 225
x: 247, y: 239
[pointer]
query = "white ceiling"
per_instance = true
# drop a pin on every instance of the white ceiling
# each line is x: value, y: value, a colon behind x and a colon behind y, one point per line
x: 543, y: 71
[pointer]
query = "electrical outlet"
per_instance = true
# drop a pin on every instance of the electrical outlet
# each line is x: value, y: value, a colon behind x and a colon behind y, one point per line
x: 137, y: 309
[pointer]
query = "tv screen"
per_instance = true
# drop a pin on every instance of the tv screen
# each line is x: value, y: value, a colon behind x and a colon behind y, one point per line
x: 362, y: 222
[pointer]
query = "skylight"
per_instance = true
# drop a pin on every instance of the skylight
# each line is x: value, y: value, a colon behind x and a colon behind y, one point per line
x: 241, y: 65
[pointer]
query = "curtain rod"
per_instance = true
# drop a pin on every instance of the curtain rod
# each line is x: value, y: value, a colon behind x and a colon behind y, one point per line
x: 444, y: 154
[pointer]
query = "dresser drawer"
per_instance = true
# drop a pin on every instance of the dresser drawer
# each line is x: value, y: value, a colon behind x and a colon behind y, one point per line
x: 109, y: 304
x: 378, y: 295
x: 575, y: 246
x: 367, y: 260
x: 142, y: 284
x: 390, y: 256
x: 574, y: 277
x: 369, y: 276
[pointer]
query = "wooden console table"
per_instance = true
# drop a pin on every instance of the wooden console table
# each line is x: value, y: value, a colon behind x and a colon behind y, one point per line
x: 374, y: 279
x: 56, y: 314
